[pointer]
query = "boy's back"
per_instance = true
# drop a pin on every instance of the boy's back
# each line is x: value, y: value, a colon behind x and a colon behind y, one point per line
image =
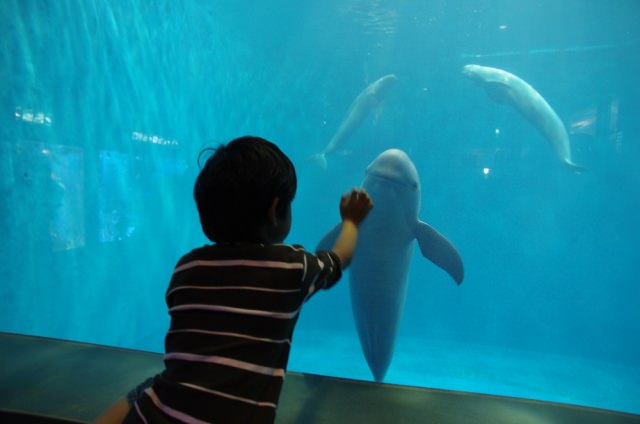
x: 234, y: 304
x: 233, y: 310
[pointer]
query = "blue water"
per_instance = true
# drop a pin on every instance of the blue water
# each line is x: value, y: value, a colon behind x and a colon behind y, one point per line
x: 104, y: 106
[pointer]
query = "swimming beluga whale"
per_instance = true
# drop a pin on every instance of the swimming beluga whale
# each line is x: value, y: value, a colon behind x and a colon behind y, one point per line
x: 505, y: 87
x: 378, y: 272
x: 368, y: 100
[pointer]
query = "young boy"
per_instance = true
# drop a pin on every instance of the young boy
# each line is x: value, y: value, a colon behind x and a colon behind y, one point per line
x: 234, y: 304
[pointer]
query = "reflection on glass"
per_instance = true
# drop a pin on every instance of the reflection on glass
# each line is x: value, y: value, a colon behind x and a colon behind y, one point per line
x: 67, y: 227
x: 34, y: 117
x: 116, y: 216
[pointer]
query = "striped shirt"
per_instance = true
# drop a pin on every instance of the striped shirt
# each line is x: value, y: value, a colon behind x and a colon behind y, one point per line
x: 233, y: 310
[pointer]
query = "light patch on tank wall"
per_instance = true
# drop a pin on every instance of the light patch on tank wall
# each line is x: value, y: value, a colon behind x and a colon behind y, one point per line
x: 497, y: 131
x: 503, y: 27
x: 152, y: 139
x: 33, y: 117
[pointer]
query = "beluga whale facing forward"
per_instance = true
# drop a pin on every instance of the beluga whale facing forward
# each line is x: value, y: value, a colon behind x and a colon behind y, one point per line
x: 378, y: 272
x: 370, y: 99
x: 505, y: 87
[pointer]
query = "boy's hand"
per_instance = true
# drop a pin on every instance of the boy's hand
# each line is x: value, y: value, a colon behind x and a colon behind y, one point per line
x: 355, y: 205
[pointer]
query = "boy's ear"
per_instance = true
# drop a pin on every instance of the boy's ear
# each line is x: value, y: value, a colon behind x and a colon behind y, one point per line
x: 272, y: 213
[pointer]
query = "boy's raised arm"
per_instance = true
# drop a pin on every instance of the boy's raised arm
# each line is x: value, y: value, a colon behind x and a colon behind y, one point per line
x: 354, y: 207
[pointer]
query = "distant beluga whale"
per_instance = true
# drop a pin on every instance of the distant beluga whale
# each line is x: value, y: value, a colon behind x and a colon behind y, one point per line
x: 504, y: 87
x: 378, y: 272
x: 369, y: 100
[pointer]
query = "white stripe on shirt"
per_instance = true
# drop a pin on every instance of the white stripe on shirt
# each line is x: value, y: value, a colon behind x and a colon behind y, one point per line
x: 229, y: 396
x: 241, y: 311
x: 249, y: 288
x: 239, y: 262
x: 140, y: 414
x: 173, y: 413
x: 234, y: 363
x: 222, y: 333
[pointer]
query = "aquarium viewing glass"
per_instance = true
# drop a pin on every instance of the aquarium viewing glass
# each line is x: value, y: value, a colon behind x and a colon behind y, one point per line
x: 527, y: 163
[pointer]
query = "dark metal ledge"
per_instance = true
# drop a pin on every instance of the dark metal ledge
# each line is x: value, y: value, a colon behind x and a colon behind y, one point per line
x: 54, y: 381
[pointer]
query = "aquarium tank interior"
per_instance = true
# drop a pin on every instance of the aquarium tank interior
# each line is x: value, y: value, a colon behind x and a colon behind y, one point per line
x: 521, y: 119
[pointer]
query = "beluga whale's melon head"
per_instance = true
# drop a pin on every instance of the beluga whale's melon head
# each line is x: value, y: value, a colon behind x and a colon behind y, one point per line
x: 393, y: 175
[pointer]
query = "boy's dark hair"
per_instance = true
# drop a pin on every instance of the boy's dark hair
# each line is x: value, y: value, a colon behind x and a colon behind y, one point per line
x: 236, y: 186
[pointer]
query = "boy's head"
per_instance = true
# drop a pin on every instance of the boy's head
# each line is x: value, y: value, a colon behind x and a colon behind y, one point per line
x: 244, y: 192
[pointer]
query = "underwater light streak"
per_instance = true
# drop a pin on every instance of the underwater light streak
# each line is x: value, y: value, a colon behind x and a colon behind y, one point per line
x: 27, y: 115
x: 153, y: 139
x: 575, y: 49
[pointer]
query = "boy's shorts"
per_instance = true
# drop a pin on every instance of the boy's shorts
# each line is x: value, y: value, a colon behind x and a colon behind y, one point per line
x: 138, y: 391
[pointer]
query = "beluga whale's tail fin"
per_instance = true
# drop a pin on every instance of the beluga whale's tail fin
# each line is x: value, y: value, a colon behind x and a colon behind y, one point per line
x: 320, y: 159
